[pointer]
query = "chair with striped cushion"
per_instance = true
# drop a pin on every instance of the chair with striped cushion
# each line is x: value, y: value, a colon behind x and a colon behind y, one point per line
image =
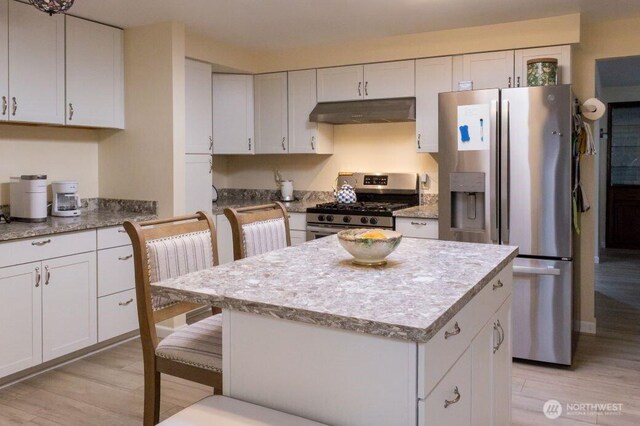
x: 258, y: 229
x: 164, y: 249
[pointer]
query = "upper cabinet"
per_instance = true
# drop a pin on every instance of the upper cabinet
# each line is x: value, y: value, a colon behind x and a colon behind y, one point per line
x: 491, y: 70
x: 433, y: 76
x: 370, y: 81
x: 271, y: 121
x: 306, y: 137
x: 95, y: 74
x: 199, y: 108
x: 36, y: 65
x: 233, y: 114
x: 561, y: 53
x: 4, y: 60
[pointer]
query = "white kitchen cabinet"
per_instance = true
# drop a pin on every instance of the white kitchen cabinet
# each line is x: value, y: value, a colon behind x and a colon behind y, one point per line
x: 4, y: 60
x: 502, y: 367
x: 270, y: 109
x: 20, y: 317
x: 298, y: 228
x: 340, y: 83
x: 306, y: 137
x: 69, y: 301
x: 113, y: 236
x: 36, y: 65
x: 117, y: 315
x: 561, y: 53
x: 116, y: 270
x: 225, y: 239
x: 389, y: 80
x: 490, y: 70
x: 94, y: 74
x: 233, y: 126
x: 198, y: 192
x: 199, y: 108
x: 416, y: 227
x: 433, y: 76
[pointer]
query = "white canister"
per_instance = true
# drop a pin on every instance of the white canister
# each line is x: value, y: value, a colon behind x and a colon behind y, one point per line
x: 286, y: 190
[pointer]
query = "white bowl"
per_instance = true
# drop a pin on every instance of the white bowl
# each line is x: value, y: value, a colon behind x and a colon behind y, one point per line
x: 366, y: 249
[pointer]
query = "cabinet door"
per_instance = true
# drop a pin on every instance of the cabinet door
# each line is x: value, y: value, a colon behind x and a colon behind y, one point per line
x: 4, y: 60
x: 482, y: 374
x: 225, y: 239
x: 491, y: 70
x: 115, y: 270
x: 389, y: 80
x: 233, y: 114
x: 302, y: 100
x: 95, y: 74
x: 69, y: 298
x: 561, y: 53
x: 433, y: 76
x: 36, y: 65
x: 199, y: 109
x: 340, y: 83
x: 502, y: 362
x: 270, y: 97
x: 198, y: 190
x: 20, y: 318
x: 117, y: 315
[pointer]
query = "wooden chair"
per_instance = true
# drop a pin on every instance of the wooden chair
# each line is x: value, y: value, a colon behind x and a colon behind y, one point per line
x: 258, y: 229
x: 163, y: 249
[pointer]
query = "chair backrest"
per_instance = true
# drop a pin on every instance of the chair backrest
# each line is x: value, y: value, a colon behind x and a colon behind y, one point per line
x: 258, y: 229
x: 167, y: 248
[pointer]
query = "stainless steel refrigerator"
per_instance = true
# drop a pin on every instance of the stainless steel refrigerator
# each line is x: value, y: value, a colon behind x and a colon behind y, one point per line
x: 505, y: 178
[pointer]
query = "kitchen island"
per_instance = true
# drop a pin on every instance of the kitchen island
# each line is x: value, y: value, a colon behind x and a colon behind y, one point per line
x: 422, y: 340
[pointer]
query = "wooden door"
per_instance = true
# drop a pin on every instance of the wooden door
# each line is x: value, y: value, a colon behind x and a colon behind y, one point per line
x: 198, y: 192
x: 36, y: 65
x: 389, y: 80
x: 95, y: 74
x: 433, y: 76
x: 199, y: 113
x: 233, y: 114
x: 340, y: 83
x: 4, y: 60
x: 20, y: 317
x: 69, y: 302
x: 271, y: 121
x: 623, y: 176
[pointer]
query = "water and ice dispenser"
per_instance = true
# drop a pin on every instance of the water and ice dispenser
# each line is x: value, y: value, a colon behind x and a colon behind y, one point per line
x: 467, y: 201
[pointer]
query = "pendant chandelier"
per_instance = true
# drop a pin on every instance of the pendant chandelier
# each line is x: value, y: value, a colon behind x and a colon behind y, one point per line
x: 52, y: 6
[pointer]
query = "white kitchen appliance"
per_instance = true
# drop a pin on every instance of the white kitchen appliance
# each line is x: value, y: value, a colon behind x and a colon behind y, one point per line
x: 28, y: 198
x: 66, y: 201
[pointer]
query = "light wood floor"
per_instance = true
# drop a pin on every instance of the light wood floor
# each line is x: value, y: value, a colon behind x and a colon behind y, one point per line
x: 106, y: 388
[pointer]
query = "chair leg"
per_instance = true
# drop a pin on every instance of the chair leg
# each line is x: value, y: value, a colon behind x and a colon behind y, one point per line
x: 151, y: 397
x: 217, y: 391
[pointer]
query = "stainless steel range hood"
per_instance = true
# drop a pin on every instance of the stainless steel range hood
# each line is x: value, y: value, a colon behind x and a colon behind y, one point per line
x: 370, y: 111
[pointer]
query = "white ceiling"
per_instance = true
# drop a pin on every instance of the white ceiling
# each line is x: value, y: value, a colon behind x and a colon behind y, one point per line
x: 619, y: 72
x: 281, y: 24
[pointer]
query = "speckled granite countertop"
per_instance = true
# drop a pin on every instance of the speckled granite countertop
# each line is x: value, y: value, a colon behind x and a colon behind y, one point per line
x: 236, y: 198
x: 299, y: 206
x: 56, y: 225
x: 427, y: 211
x: 410, y: 298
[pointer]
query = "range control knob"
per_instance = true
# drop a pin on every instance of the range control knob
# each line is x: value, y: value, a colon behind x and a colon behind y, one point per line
x: 329, y: 218
x: 373, y: 221
x: 346, y: 219
x: 364, y: 220
x: 321, y: 218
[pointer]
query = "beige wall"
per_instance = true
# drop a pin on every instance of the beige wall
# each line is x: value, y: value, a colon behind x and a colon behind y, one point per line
x: 224, y: 57
x: 60, y: 153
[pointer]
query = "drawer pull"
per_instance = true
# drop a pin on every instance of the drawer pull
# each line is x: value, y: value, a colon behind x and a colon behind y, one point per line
x: 448, y: 402
x: 125, y: 303
x: 123, y: 231
x: 498, y: 285
x: 40, y: 243
x: 419, y: 223
x: 456, y: 330
x: 125, y: 257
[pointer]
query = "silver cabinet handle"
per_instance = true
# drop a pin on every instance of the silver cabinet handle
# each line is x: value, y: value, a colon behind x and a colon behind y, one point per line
x: 125, y: 303
x: 498, y: 285
x: 38, y: 277
x: 498, y: 327
x: 122, y: 230
x: 47, y: 275
x: 211, y: 143
x: 15, y: 106
x: 509, y: 82
x: 284, y: 148
x: 419, y: 147
x: 497, y: 345
x: 249, y: 144
x: 366, y: 88
x: 313, y: 145
x: 528, y: 270
x: 448, y: 402
x: 125, y: 257
x: 556, y: 133
x: 456, y: 331
x: 70, y: 111
x: 518, y: 82
x: 40, y: 243
x: 210, y: 165
x: 4, y: 105
x: 360, y: 88
x: 419, y: 223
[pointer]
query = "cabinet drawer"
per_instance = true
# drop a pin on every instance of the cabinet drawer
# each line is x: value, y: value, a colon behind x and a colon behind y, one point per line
x: 298, y: 237
x: 298, y: 221
x: 450, y: 401
x: 417, y: 227
x: 493, y: 295
x: 112, y: 237
x: 117, y: 314
x: 115, y: 270
x: 47, y: 247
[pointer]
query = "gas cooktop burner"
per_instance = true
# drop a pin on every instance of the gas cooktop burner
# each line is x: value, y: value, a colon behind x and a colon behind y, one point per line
x: 363, y: 206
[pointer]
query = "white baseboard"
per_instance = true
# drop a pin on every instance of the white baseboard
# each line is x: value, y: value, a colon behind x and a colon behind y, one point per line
x: 587, y: 327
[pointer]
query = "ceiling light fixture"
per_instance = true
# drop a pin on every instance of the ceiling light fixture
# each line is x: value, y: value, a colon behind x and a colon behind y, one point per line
x: 52, y: 6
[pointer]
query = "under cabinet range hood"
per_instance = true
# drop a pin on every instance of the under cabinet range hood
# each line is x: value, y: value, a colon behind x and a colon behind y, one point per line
x: 370, y: 111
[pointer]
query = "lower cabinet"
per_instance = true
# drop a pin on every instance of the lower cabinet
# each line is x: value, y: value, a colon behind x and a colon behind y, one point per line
x: 417, y: 227
x: 117, y: 314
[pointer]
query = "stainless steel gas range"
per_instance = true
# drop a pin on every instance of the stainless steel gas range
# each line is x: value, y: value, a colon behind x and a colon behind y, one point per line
x: 379, y: 195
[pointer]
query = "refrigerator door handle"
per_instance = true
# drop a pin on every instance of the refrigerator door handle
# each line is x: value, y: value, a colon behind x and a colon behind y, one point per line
x: 493, y: 199
x: 505, y: 174
x: 529, y: 270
